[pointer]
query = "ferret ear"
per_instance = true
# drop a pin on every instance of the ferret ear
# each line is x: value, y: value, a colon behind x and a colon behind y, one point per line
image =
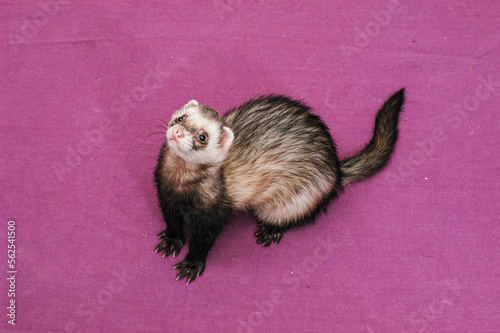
x: 227, y: 138
x: 191, y: 103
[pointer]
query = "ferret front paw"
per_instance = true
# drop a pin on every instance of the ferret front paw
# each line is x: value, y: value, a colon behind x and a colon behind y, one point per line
x: 169, y: 245
x: 268, y: 234
x: 189, y: 269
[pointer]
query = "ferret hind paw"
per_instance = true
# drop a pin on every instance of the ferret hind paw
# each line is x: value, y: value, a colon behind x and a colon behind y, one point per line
x: 268, y: 234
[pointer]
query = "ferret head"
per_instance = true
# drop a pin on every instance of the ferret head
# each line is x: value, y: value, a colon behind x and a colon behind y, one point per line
x: 196, y: 133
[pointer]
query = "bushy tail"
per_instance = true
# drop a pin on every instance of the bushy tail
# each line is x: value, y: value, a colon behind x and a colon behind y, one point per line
x: 378, y: 152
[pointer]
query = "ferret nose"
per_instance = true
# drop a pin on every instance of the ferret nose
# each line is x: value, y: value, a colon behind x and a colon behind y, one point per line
x: 178, y: 133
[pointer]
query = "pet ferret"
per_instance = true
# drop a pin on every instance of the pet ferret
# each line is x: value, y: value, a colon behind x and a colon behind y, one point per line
x: 271, y: 156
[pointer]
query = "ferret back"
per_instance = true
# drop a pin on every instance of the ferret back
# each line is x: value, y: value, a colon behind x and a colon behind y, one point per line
x: 283, y: 161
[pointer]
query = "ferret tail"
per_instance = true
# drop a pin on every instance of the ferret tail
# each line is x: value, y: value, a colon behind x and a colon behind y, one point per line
x: 375, y: 156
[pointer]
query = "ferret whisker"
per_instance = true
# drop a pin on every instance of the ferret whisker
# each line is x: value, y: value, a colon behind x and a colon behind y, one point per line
x: 160, y: 126
x: 163, y: 121
x: 154, y: 133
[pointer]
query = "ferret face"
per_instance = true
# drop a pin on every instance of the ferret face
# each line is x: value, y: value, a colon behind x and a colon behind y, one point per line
x: 197, y: 135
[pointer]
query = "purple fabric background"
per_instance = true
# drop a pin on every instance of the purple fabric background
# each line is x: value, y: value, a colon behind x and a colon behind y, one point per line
x: 414, y: 249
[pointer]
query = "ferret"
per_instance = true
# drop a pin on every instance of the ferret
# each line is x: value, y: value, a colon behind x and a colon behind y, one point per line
x: 271, y: 156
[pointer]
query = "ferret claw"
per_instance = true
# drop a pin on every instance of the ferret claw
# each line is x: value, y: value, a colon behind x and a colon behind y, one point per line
x: 169, y: 245
x: 268, y: 234
x: 277, y: 238
x: 189, y: 270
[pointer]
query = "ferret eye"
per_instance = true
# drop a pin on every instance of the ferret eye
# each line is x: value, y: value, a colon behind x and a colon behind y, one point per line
x: 180, y: 119
x: 202, y: 137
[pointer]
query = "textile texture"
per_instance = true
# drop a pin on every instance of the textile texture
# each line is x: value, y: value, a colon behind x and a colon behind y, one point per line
x: 84, y: 86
